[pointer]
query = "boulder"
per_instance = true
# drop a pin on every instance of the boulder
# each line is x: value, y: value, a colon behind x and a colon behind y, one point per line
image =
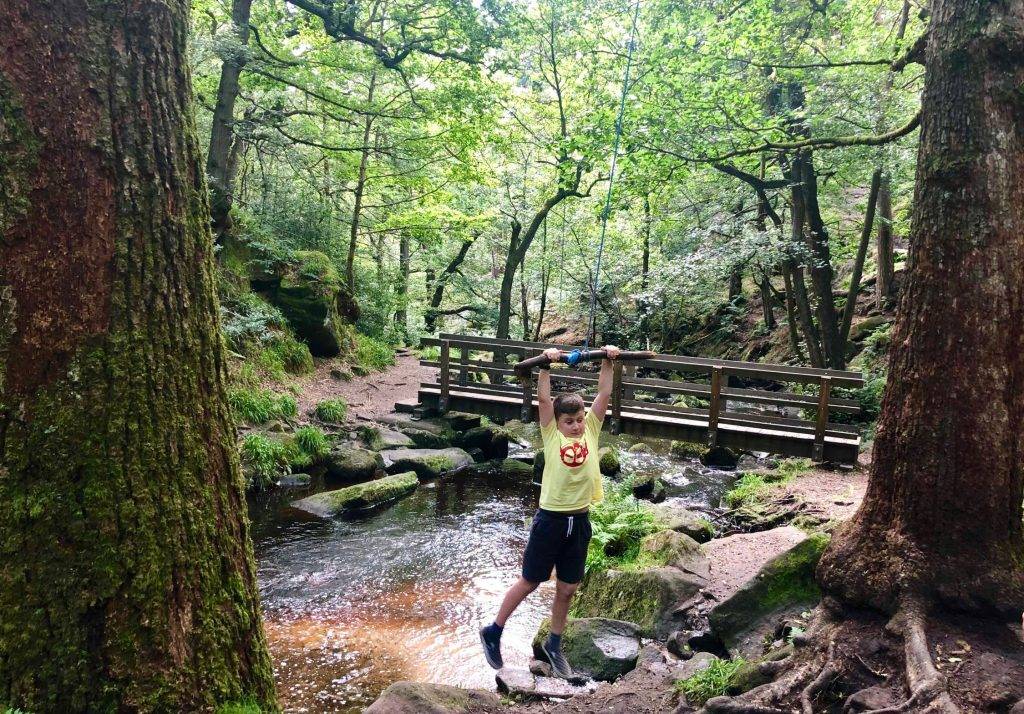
x: 693, y: 666
x: 649, y: 486
x: 648, y: 597
x: 783, y: 583
x: 427, y: 463
x: 677, y: 550
x: 720, y: 457
x: 523, y: 683
x: 359, y: 497
x: 404, y: 422
x: 491, y: 440
x: 421, y: 698
x: 687, y: 450
x: 312, y: 297
x: 460, y: 421
x: 350, y: 463
x: 380, y: 439
x: 595, y: 646
x: 538, y: 466
x: 640, y: 448
x: 610, y: 463
x: 881, y: 697
x: 427, y: 439
x: 516, y: 469
x: 681, y: 519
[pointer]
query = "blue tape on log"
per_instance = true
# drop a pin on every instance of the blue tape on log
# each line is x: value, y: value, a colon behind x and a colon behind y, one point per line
x: 573, y: 358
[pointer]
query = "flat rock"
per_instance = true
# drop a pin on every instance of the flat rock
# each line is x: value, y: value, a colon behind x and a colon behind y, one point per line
x: 649, y: 597
x: 524, y: 683
x: 359, y: 497
x: 350, y: 463
x: 421, y: 698
x: 427, y: 463
x: 380, y: 439
x: 737, y: 558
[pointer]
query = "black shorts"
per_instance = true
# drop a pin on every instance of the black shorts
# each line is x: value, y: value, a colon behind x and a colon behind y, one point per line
x: 559, y: 541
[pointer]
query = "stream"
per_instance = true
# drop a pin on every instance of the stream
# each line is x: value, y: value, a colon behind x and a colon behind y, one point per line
x: 353, y: 605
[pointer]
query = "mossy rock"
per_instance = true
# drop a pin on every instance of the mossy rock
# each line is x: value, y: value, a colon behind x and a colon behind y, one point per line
x: 720, y: 457
x: 315, y: 302
x: 492, y: 441
x: 538, y: 466
x: 422, y: 698
x: 647, y: 597
x: 640, y: 448
x: 610, y: 463
x: 784, y: 582
x: 428, y: 439
x: 677, y: 550
x: 350, y: 463
x: 754, y: 674
x: 427, y: 463
x: 597, y: 647
x: 516, y: 469
x: 359, y: 497
x: 648, y: 486
x: 383, y: 439
x: 687, y: 450
x: 685, y: 521
x: 461, y: 421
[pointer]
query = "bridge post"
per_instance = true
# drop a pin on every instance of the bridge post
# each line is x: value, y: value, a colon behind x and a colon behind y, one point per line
x: 616, y: 423
x: 526, y: 410
x: 446, y: 377
x: 715, y: 407
x: 463, y: 366
x: 821, y: 423
x: 629, y: 372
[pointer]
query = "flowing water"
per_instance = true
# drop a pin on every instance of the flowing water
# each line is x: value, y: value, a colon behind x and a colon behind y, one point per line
x: 353, y: 605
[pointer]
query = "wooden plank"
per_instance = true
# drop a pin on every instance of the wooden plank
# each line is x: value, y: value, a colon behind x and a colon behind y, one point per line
x: 463, y: 366
x: 445, y: 376
x: 628, y: 379
x: 778, y: 372
x: 822, y: 420
x: 716, y: 406
x: 616, y: 423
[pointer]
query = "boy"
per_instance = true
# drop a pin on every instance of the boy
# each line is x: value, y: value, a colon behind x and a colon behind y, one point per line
x: 561, y: 530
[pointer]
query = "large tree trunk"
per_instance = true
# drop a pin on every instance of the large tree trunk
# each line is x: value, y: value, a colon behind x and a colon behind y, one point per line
x: 402, y: 314
x: 222, y: 157
x: 126, y: 569
x: 942, y: 515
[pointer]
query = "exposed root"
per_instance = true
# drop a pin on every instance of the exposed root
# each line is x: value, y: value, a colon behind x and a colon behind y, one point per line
x: 824, y: 678
x: 731, y: 705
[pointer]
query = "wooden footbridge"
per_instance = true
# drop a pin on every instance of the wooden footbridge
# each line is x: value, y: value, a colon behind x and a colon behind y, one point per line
x: 736, y: 417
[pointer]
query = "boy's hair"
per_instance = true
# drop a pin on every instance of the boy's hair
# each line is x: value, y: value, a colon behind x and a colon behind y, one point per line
x: 568, y: 403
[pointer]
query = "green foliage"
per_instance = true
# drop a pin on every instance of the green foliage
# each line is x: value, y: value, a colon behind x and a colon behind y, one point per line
x: 373, y: 354
x: 243, y: 707
x: 258, y: 406
x: 752, y: 487
x: 264, y: 460
x: 332, y: 411
x: 619, y: 523
x: 258, y: 330
x: 711, y: 682
x: 312, y: 441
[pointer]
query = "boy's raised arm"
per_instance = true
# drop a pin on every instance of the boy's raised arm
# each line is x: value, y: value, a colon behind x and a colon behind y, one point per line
x: 544, y: 405
x: 604, y: 384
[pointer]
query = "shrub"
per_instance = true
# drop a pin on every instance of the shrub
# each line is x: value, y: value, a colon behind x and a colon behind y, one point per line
x: 312, y: 441
x: 373, y: 354
x: 258, y: 406
x: 331, y: 411
x: 709, y: 683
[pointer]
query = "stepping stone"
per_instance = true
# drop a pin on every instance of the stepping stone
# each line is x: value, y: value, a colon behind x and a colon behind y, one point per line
x: 524, y: 683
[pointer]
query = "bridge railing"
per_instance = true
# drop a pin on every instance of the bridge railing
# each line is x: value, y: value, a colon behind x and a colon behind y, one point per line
x: 463, y: 373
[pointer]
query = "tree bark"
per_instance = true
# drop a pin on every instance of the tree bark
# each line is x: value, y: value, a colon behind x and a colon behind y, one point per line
x: 796, y: 281
x: 127, y: 580
x: 357, y: 200
x: 437, y: 286
x: 402, y: 314
x: 222, y: 157
x: 941, y: 519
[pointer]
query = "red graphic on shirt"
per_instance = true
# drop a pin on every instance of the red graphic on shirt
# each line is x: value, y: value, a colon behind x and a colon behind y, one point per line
x: 574, y: 454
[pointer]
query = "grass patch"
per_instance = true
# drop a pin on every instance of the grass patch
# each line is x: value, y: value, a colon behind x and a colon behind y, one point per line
x: 331, y: 411
x: 619, y: 523
x: 258, y: 406
x: 709, y: 683
x: 753, y: 487
x: 282, y: 355
x: 257, y: 330
x: 265, y: 459
x: 239, y: 708
x: 312, y: 441
x: 373, y: 354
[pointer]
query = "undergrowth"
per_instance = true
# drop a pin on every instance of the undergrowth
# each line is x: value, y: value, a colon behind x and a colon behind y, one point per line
x: 258, y: 331
x: 265, y: 459
x: 709, y: 683
x: 252, y: 405
x: 373, y: 354
x: 756, y: 486
x: 619, y: 523
x: 312, y: 441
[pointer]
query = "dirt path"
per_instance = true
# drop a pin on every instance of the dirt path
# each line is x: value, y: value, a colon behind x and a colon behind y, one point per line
x: 367, y: 397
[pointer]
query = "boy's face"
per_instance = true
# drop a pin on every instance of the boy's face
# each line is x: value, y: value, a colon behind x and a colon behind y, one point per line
x: 571, y: 425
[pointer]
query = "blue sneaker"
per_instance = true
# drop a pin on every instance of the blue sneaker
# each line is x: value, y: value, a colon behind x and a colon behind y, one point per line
x: 490, y: 638
x: 559, y: 665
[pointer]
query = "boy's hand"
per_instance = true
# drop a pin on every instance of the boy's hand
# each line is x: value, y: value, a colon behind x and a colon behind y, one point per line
x: 553, y: 353
x: 612, y: 352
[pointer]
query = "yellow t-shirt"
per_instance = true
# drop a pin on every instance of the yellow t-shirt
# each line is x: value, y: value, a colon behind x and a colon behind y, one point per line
x: 572, y: 469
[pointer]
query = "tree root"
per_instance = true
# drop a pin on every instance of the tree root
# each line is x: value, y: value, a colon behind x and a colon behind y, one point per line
x: 731, y: 705
x: 824, y: 678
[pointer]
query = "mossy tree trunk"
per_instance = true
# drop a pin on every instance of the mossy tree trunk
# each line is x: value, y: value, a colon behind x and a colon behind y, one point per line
x: 127, y: 579
x: 942, y: 516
